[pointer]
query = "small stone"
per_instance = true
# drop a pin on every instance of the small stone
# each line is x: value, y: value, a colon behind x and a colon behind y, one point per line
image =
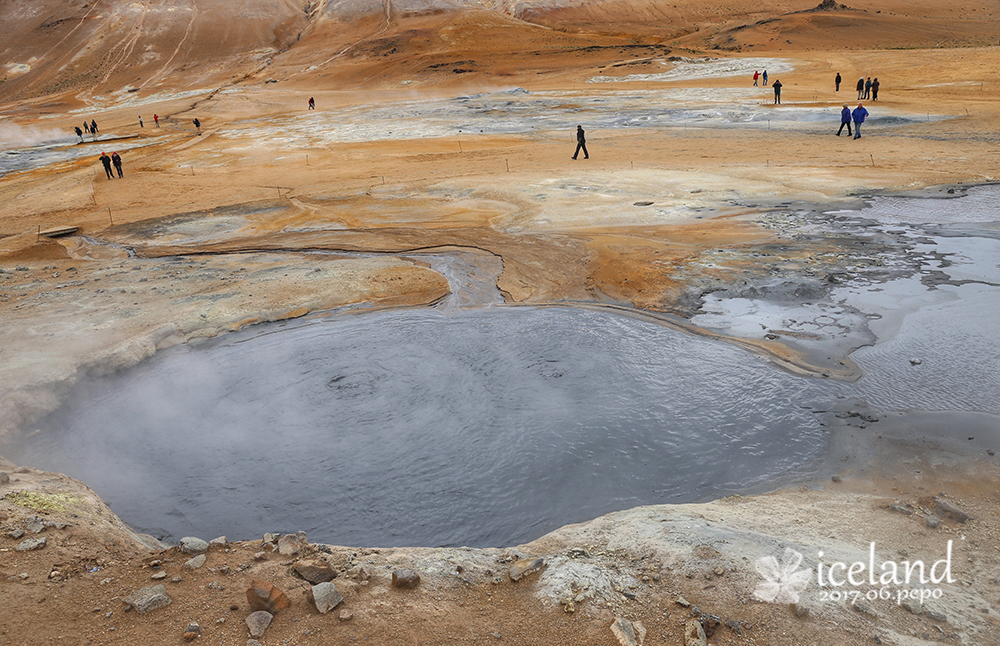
x: 17, y: 533
x: 31, y: 544
x: 694, y: 634
x: 628, y: 633
x: 191, y: 632
x: 192, y: 545
x: 866, y: 610
x: 913, y: 606
x: 325, y: 597
x: 292, y: 544
x: 524, y: 567
x: 55, y: 574
x: 949, y: 509
x: 4, y: 478
x: 176, y: 579
x: 932, y: 521
x: 836, y: 479
x: 405, y: 578
x: 270, y: 538
x: 936, y: 616
x: 682, y: 602
x: 346, y: 615
x: 915, y: 362
x: 989, y: 452
x: 262, y: 595
x: 196, y: 562
x: 221, y: 540
x: 258, y: 622
x: 260, y: 556
x: 734, y: 626
x: 148, y: 598
x: 801, y: 610
x: 314, y: 570
x: 34, y: 524
x: 253, y: 642
x: 719, y: 571
x: 159, y: 576
x: 901, y: 509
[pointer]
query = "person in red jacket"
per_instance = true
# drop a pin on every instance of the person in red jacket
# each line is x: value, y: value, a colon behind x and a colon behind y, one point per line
x: 156, y: 120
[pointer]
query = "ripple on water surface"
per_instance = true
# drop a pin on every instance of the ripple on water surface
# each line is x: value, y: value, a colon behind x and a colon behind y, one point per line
x: 488, y: 427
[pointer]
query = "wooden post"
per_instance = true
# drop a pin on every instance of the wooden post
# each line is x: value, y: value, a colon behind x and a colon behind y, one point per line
x: 507, y: 161
x: 111, y: 218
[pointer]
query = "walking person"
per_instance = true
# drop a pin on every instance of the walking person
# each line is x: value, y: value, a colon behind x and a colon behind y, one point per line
x: 777, y: 91
x: 756, y: 75
x: 156, y: 120
x: 197, y: 125
x: 764, y: 78
x: 140, y: 122
x: 861, y: 88
x: 581, y: 143
x: 868, y: 88
x: 875, y: 89
x: 312, y: 103
x: 845, y: 120
x: 79, y: 133
x: 858, y: 115
x: 93, y: 126
x: 837, y: 82
x: 117, y: 161
x: 107, y: 165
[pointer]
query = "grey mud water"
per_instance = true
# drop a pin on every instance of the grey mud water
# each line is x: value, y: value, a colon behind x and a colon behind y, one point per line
x: 493, y: 425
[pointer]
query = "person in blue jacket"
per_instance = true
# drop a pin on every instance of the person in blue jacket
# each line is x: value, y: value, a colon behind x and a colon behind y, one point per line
x: 764, y: 78
x: 858, y: 115
x: 845, y: 120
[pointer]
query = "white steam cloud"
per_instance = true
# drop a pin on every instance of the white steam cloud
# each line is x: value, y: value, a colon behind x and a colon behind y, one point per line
x: 13, y: 135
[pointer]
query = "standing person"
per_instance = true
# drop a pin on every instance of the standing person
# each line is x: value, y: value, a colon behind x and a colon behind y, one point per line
x: 197, y: 125
x: 858, y: 115
x: 107, y: 165
x: 777, y: 91
x: 79, y: 133
x: 93, y: 126
x: 868, y: 88
x: 140, y: 122
x: 837, y: 82
x: 875, y: 89
x: 861, y: 88
x: 756, y: 75
x: 117, y: 161
x: 312, y: 103
x: 764, y: 78
x: 845, y: 120
x: 581, y: 142
x: 156, y: 120
x: 86, y: 127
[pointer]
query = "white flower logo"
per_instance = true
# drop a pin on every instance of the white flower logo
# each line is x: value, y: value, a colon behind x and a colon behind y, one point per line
x: 781, y: 584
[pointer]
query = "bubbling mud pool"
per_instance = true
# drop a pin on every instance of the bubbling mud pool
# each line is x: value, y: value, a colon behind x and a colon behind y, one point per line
x: 487, y: 427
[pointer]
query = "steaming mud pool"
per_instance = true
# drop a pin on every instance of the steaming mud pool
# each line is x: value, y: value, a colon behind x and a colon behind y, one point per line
x: 490, y: 426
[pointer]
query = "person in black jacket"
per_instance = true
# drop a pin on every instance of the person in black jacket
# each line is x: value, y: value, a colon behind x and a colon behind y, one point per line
x: 875, y: 85
x: 861, y: 88
x: 117, y: 161
x: 107, y: 165
x: 777, y: 91
x: 837, y: 81
x: 79, y: 133
x: 581, y: 142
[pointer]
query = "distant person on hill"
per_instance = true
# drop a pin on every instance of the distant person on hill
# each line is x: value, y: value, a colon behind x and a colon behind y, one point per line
x: 86, y: 127
x: 117, y: 161
x: 140, y: 122
x: 837, y: 82
x: 858, y: 115
x: 93, y: 126
x: 79, y: 133
x: 156, y: 120
x: 777, y: 91
x: 875, y: 89
x: 868, y: 88
x: 312, y: 103
x: 756, y: 75
x: 764, y: 78
x: 581, y: 143
x: 845, y: 120
x: 861, y: 88
x: 197, y: 125
x: 107, y: 165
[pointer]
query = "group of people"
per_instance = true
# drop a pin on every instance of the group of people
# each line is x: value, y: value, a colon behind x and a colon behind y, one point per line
x: 90, y: 128
x: 758, y: 76
x: 115, y: 159
x: 857, y: 116
x: 867, y: 88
